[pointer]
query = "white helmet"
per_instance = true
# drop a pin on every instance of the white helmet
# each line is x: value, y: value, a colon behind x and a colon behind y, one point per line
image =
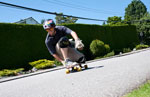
x: 48, y: 24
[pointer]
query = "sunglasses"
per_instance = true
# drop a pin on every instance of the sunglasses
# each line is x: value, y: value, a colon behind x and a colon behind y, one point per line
x: 49, y: 29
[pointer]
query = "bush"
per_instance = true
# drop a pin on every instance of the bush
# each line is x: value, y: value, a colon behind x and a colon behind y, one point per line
x: 141, y: 46
x: 7, y: 72
x: 97, y: 48
x: 42, y: 64
x: 57, y: 63
x: 110, y: 54
x: 107, y: 47
x: 125, y: 50
x: 107, y: 55
x: 27, y: 41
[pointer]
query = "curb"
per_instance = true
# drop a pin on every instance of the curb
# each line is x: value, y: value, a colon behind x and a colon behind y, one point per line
x: 61, y: 67
x: 120, y: 55
x: 31, y: 74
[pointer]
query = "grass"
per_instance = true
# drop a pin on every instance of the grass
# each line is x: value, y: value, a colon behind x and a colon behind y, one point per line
x: 142, y: 91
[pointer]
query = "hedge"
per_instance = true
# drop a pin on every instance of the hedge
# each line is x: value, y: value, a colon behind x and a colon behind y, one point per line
x: 20, y: 44
x: 117, y: 37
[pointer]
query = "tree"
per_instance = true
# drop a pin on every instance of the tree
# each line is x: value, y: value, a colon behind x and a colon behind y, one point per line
x: 143, y: 28
x: 135, y: 10
x: 42, y: 21
x: 115, y: 20
x: 104, y: 23
x: 60, y: 19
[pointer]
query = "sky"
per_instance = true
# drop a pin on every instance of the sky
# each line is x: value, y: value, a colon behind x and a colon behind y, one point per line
x: 95, y: 9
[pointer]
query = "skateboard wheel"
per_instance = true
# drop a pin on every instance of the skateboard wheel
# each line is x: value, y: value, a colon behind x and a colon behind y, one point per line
x: 79, y: 69
x: 67, y: 71
x: 75, y: 68
x: 85, y: 66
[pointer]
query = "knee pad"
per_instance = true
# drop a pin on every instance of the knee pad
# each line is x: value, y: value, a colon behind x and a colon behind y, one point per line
x: 82, y: 59
x: 64, y: 42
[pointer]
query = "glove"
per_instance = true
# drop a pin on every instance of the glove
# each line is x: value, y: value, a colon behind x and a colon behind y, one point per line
x: 78, y: 44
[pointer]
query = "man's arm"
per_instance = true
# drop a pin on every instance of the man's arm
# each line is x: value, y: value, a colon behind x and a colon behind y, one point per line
x: 74, y: 35
x: 78, y: 42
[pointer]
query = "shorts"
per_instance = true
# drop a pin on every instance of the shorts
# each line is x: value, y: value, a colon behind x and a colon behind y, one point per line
x: 73, y: 54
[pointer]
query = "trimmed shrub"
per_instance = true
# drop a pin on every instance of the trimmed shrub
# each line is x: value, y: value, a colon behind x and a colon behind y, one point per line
x: 7, y: 72
x: 107, y: 47
x: 42, y: 64
x: 97, y: 48
x: 125, y: 50
x: 141, y: 46
x: 109, y: 54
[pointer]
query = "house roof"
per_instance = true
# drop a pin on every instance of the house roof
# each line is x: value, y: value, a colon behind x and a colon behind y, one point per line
x: 23, y: 20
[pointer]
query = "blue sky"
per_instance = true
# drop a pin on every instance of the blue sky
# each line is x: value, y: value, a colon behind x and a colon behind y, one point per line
x: 97, y: 9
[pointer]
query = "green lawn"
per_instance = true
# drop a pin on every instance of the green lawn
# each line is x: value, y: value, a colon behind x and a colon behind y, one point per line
x: 143, y: 91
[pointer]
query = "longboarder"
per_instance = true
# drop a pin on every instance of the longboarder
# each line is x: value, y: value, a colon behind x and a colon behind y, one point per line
x: 60, y: 47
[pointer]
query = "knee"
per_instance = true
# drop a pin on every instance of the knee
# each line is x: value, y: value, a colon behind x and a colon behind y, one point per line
x: 63, y: 42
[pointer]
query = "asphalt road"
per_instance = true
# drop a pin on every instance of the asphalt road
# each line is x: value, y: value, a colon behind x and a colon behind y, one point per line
x: 106, y: 78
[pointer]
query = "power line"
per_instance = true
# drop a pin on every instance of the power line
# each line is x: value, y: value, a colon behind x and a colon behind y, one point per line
x: 75, y: 6
x: 54, y: 13
x: 46, y: 12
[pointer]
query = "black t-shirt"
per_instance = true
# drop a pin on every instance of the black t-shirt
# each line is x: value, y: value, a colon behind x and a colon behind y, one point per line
x: 51, y: 41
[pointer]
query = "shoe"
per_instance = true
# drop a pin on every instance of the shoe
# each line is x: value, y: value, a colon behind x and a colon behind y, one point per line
x: 68, y: 62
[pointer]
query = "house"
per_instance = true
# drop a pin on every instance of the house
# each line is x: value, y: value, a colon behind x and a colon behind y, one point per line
x: 29, y: 20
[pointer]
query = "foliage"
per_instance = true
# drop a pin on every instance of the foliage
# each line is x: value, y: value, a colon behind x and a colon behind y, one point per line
x: 60, y: 19
x: 42, y: 21
x: 42, y: 64
x: 7, y: 72
x: 115, y: 20
x: 144, y: 27
x: 125, y: 50
x: 107, y: 48
x: 57, y: 63
x: 98, y: 48
x: 22, y: 43
x: 142, y: 91
x: 109, y: 54
x: 104, y: 23
x: 141, y: 46
x: 135, y: 10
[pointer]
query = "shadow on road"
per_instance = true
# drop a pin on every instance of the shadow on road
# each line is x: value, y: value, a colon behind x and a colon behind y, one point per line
x: 89, y: 68
x: 96, y: 67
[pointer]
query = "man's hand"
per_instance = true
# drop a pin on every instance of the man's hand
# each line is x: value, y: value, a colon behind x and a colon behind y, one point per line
x: 78, y: 44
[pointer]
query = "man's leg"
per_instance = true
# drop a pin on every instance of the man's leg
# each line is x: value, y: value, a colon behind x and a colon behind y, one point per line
x: 64, y: 52
x: 62, y: 49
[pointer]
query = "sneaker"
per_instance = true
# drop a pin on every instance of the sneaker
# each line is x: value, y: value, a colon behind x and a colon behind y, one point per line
x: 68, y: 62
